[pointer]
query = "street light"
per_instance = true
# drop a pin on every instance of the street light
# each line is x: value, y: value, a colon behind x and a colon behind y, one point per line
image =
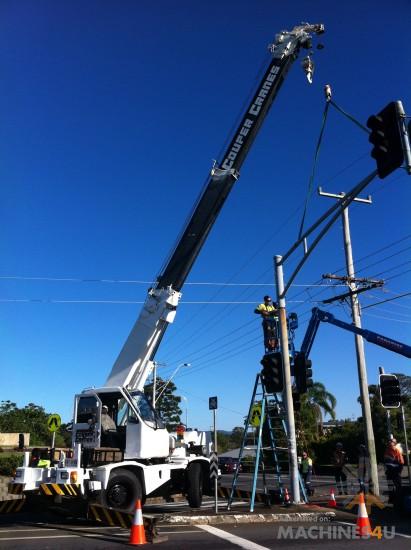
x: 155, y: 365
x: 171, y: 377
x: 186, y: 400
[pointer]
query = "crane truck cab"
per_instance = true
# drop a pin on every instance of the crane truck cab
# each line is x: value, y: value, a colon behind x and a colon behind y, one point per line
x: 138, y: 431
x: 136, y: 458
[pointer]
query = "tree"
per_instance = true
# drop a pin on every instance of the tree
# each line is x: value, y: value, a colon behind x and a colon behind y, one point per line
x: 405, y: 385
x: 236, y: 437
x: 315, y: 404
x: 30, y: 419
x: 223, y: 442
x: 168, y: 404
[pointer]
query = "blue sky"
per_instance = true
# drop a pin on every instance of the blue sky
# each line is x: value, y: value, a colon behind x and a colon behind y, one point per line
x: 111, y: 116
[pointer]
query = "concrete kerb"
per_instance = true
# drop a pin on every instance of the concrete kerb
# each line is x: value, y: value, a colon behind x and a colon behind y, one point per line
x: 314, y: 517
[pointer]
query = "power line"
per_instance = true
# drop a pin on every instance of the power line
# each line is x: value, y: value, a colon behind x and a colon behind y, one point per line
x: 387, y: 300
x: 202, y: 283
x: 387, y: 318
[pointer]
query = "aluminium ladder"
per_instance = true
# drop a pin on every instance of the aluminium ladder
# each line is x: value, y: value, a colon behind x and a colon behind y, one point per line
x: 271, y: 412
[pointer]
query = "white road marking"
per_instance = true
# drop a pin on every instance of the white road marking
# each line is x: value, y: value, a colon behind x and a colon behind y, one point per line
x: 68, y: 536
x: 243, y: 543
x: 44, y: 537
x: 69, y: 528
x: 161, y: 532
x: 27, y: 530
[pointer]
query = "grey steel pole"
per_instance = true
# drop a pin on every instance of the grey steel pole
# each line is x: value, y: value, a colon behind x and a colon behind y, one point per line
x: 406, y: 443
x: 387, y: 412
x: 287, y: 392
x: 389, y: 427
x: 215, y: 450
x: 359, y: 346
x: 154, y: 384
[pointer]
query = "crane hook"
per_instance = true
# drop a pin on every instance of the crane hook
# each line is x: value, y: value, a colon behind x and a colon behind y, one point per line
x: 308, y: 66
x: 327, y: 92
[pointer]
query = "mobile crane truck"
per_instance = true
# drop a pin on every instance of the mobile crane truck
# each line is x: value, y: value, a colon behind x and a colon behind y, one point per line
x: 138, y: 458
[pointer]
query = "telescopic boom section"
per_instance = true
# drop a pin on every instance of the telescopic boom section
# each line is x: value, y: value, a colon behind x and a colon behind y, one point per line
x: 319, y: 316
x: 134, y: 363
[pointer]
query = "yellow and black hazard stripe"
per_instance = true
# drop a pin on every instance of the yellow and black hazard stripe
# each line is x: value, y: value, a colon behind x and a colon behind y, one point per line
x: 112, y: 517
x: 109, y: 516
x: 61, y: 489
x: 15, y: 488
x: 10, y: 506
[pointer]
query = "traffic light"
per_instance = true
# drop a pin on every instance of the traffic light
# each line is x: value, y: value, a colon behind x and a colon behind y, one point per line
x: 296, y: 401
x: 386, y: 138
x: 272, y: 372
x: 390, y: 391
x: 302, y: 372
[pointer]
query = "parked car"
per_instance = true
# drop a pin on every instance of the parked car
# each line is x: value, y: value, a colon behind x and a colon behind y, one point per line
x: 228, y: 464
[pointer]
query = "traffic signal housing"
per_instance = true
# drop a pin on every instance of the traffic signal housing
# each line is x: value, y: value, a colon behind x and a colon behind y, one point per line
x: 272, y: 372
x: 390, y: 391
x: 302, y: 372
x: 296, y: 401
x: 386, y: 137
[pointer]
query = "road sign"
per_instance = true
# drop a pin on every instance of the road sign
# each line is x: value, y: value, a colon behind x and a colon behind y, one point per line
x: 212, y: 403
x: 213, y: 466
x: 53, y: 422
x: 255, y: 419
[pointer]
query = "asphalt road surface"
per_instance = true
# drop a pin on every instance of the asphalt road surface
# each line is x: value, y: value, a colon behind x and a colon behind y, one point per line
x: 26, y: 531
x: 247, y: 536
x: 321, y: 485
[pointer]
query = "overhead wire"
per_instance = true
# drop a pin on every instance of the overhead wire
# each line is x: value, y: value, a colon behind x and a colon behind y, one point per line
x: 323, y: 287
x: 381, y: 249
x: 310, y: 186
x: 150, y: 282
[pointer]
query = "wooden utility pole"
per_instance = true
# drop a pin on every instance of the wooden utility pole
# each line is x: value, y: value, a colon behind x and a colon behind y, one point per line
x: 359, y: 343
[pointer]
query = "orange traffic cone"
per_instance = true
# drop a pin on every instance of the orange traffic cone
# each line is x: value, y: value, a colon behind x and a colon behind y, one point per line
x: 287, y: 500
x: 332, y: 503
x: 363, y: 523
x: 137, y: 533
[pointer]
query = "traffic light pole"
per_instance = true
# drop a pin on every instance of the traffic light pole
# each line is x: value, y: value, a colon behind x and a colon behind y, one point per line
x: 287, y: 392
x: 407, y: 454
x: 388, y: 413
x: 359, y: 343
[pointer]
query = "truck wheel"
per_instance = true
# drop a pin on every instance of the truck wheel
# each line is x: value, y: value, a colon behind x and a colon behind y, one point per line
x: 123, y: 489
x: 195, y: 485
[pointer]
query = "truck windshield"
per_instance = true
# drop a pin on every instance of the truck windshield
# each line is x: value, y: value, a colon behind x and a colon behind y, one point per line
x: 147, y: 413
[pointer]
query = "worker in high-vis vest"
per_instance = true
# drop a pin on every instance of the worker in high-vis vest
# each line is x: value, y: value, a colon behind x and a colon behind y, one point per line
x: 43, y: 463
x: 269, y: 313
x: 306, y: 470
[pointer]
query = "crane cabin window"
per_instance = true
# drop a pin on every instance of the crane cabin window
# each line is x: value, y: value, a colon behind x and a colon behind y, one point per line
x: 87, y: 410
x: 146, y: 410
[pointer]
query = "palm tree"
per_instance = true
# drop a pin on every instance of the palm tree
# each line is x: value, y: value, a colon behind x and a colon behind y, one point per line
x: 318, y: 401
